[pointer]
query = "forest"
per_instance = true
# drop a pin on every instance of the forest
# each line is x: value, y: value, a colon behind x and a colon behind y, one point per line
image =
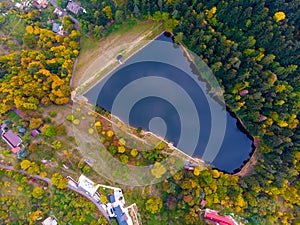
x: 252, y: 47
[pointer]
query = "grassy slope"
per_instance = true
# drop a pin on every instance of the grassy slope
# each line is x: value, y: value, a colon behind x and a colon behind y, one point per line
x: 95, y: 54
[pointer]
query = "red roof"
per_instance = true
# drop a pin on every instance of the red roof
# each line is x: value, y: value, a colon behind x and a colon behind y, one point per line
x: 15, y: 150
x: 222, y: 220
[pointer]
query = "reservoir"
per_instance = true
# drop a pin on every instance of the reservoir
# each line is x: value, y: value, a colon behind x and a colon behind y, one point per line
x: 159, y: 90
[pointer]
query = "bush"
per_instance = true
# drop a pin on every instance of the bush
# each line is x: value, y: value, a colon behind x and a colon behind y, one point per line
x: 52, y: 114
x: 124, y: 159
x: 134, y: 153
x: 70, y: 117
x: 47, y: 119
x: 41, y: 110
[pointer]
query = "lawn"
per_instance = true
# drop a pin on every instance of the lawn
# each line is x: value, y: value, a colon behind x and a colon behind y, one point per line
x: 14, y: 26
x: 13, y: 116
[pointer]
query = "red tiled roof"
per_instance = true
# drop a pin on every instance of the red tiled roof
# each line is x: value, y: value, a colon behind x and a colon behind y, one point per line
x: 222, y: 220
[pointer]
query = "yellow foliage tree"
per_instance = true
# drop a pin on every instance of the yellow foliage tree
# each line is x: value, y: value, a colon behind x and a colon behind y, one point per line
x: 158, y: 170
x: 278, y: 16
x: 154, y: 205
x: 29, y: 29
x: 121, y: 149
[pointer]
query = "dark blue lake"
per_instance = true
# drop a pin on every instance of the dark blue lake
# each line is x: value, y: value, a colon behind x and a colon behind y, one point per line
x: 157, y: 89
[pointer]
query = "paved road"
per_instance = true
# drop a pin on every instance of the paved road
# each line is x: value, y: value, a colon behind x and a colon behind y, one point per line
x: 69, y: 186
x: 84, y: 194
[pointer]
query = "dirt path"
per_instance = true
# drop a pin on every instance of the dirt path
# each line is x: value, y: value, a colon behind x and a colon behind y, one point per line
x: 96, y: 56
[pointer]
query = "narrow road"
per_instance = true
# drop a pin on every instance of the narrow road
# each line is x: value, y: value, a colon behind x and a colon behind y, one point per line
x: 69, y: 186
x: 84, y: 194
x: 53, y: 2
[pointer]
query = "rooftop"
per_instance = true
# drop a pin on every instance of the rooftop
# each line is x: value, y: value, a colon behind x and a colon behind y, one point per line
x: 34, y: 133
x: 222, y: 220
x: 49, y: 221
x: 12, y: 139
x: 87, y: 185
x: 74, y: 7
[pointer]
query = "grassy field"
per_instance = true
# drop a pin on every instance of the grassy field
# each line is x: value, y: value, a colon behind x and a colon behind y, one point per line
x: 95, y: 55
x: 12, y: 32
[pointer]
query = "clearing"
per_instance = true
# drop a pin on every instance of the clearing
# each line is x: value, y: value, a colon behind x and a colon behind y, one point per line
x: 94, y: 56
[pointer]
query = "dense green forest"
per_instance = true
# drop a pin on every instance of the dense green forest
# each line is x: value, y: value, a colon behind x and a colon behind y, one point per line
x: 252, y: 46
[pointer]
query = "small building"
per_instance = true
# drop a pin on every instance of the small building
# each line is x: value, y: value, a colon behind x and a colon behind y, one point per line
x: 189, y: 166
x: 215, y: 217
x: 3, y: 128
x: 16, y: 150
x: 87, y: 185
x: 50, y: 221
x: 58, y: 12
x: 18, y: 5
x: 41, y: 3
x: 115, y: 209
x: 21, y: 129
x: 74, y: 7
x: 34, y: 132
x: 12, y: 139
x: 58, y: 29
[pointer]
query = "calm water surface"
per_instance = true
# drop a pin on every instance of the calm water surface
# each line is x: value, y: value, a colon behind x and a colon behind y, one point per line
x: 152, y: 90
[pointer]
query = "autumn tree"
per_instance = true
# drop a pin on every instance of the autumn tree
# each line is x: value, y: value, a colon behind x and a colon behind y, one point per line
x: 153, y: 204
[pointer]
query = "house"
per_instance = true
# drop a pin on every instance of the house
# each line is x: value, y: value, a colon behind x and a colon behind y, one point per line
x: 12, y: 139
x: 18, y: 5
x: 116, y: 209
x: 21, y: 129
x: 58, y: 29
x: 58, y: 12
x: 34, y: 133
x: 50, y: 221
x: 213, y: 216
x: 87, y: 185
x: 74, y: 7
x: 22, y: 153
x: 41, y: 3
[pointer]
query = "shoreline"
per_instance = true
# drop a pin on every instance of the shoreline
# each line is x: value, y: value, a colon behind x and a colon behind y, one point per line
x: 243, y: 170
x: 114, y: 64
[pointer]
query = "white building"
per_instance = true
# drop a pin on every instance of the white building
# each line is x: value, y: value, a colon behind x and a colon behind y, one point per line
x: 50, y: 221
x: 87, y: 185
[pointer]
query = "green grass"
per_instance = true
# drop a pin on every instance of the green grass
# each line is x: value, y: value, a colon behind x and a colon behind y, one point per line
x: 122, y: 28
x: 14, y: 27
x: 13, y: 116
x: 90, y: 43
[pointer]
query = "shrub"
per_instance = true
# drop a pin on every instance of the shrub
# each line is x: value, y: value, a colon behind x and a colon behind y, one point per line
x: 52, y: 114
